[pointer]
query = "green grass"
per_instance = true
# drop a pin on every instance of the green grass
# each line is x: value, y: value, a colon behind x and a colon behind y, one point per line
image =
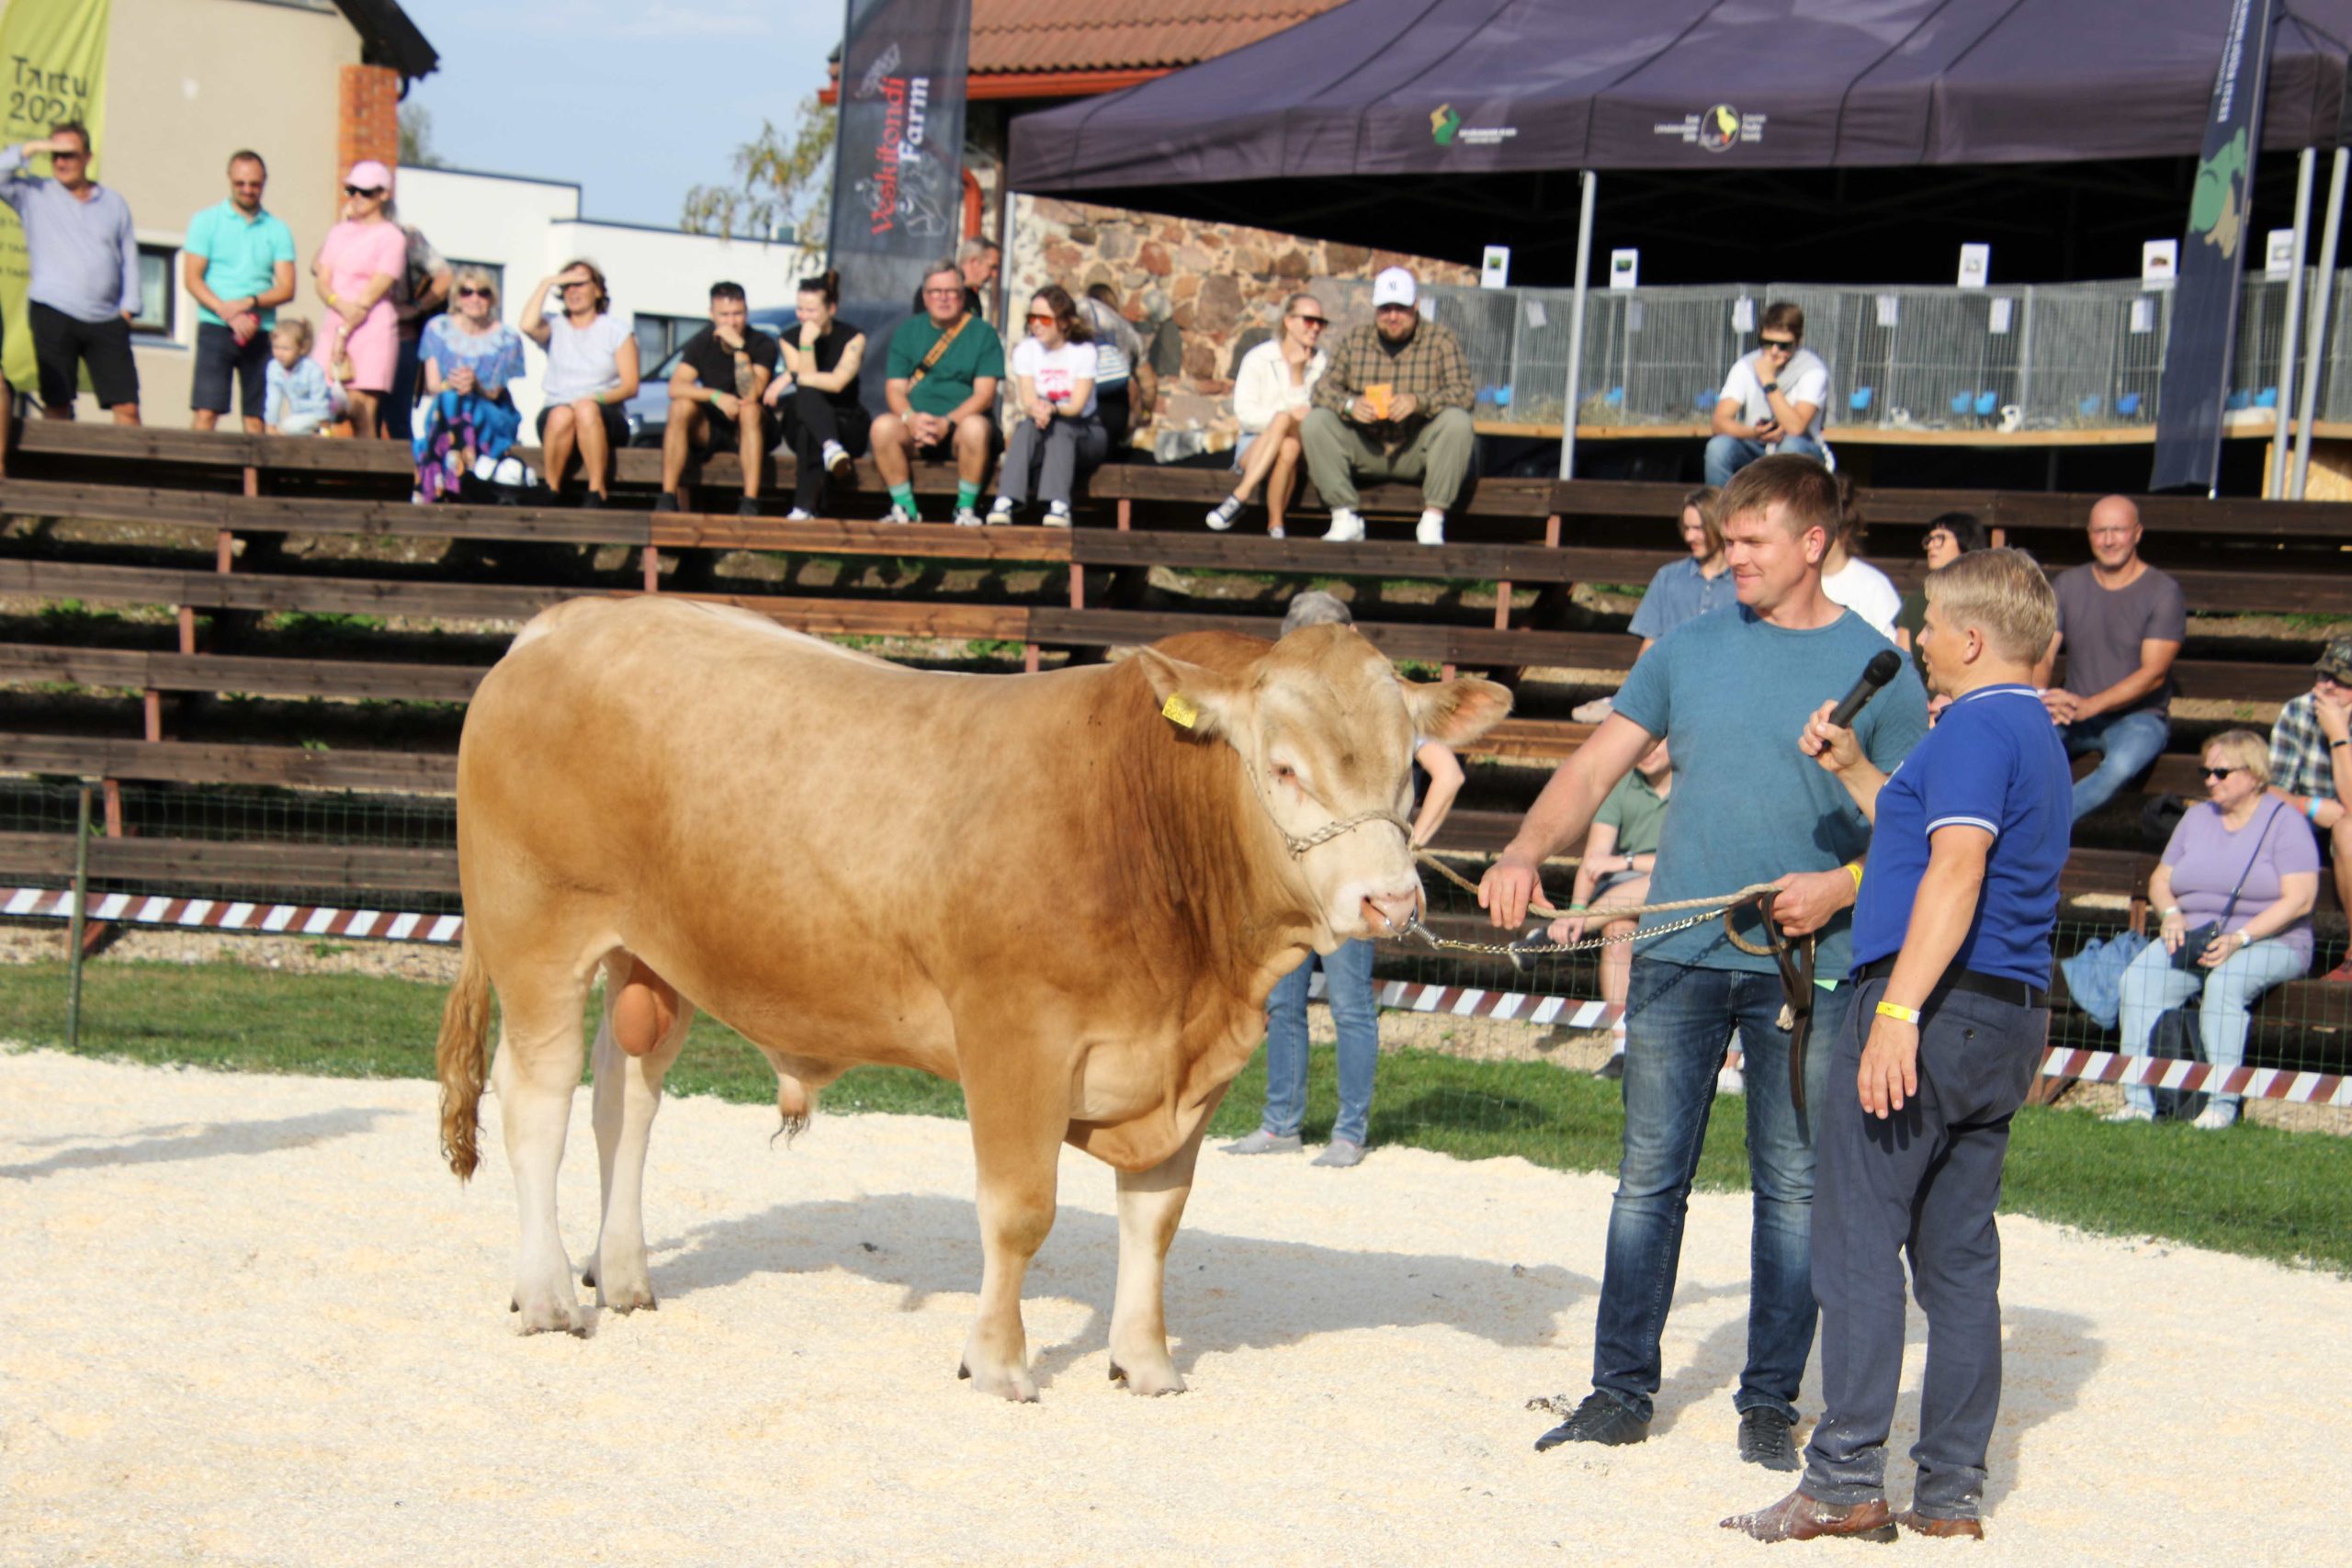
x: 2253, y: 1190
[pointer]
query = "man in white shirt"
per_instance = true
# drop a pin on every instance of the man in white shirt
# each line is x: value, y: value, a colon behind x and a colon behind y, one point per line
x: 1772, y: 399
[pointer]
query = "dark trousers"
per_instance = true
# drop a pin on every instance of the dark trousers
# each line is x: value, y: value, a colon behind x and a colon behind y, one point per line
x: 1116, y: 411
x: 1924, y: 1181
x: 1048, y: 463
x: 810, y: 419
x: 397, y: 412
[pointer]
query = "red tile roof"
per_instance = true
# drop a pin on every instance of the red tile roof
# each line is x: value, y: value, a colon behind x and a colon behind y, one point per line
x: 1078, y: 35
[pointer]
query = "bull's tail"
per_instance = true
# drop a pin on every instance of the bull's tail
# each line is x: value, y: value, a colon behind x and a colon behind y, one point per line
x: 462, y: 1058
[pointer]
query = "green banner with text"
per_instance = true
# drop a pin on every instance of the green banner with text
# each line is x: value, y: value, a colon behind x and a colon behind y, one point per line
x: 54, y: 53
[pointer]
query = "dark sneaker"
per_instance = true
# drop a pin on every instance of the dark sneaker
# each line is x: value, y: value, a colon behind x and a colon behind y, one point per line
x: 747, y: 507
x: 593, y: 501
x: 1612, y: 1070
x: 1600, y: 1419
x: 1765, y: 1439
x: 666, y: 501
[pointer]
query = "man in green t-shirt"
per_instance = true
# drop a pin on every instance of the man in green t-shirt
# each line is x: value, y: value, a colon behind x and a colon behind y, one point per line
x: 943, y: 370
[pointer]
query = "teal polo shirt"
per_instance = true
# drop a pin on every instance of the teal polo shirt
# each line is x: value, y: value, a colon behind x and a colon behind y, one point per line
x: 241, y: 255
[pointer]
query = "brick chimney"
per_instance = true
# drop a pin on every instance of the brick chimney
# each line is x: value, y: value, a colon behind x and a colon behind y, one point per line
x: 367, y: 124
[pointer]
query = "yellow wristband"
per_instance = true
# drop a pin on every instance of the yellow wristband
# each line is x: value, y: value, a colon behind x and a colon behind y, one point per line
x: 1898, y: 1011
x: 1856, y: 867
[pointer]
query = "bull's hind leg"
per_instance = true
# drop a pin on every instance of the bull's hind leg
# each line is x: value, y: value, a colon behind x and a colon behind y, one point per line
x: 540, y: 1049
x: 1017, y: 1127
x: 644, y: 1026
x: 1151, y: 1203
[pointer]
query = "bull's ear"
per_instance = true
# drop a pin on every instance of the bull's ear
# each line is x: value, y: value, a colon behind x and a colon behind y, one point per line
x: 1194, y: 697
x: 1457, y: 711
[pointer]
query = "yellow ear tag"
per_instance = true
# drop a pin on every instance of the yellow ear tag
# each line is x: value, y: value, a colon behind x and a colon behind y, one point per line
x: 1178, y: 710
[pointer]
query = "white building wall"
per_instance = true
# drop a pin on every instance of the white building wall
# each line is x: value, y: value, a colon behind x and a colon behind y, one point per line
x: 532, y: 228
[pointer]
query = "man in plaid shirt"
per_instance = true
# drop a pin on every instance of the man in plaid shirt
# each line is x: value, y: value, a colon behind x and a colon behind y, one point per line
x: 1393, y: 405
x: 2311, y: 764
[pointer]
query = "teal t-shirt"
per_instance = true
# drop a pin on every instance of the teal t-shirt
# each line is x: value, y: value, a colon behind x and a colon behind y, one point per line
x: 241, y: 255
x: 1733, y: 694
x: 977, y: 352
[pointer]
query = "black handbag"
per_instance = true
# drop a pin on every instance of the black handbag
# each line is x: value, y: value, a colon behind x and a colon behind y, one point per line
x: 2175, y: 1038
x: 2193, y: 944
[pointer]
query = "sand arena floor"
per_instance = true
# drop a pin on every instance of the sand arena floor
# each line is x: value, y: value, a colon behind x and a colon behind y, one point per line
x: 255, y: 1321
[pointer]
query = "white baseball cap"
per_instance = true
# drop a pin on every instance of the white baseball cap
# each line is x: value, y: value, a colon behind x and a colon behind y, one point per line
x: 1393, y: 286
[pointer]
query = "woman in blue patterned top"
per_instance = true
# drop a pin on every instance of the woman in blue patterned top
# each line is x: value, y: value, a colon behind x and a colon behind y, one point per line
x: 469, y: 422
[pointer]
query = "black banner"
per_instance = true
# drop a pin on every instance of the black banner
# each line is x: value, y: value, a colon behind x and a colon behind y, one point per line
x: 2212, y: 259
x: 897, y: 159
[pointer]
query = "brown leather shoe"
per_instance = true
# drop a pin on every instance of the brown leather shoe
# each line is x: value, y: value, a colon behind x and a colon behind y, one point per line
x: 1925, y: 1524
x: 1799, y: 1517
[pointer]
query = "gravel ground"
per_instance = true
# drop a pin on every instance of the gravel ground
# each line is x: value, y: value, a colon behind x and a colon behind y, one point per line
x: 267, y: 1327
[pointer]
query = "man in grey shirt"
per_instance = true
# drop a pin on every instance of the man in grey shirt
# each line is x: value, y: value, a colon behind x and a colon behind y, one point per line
x: 2120, y: 623
x: 84, y: 259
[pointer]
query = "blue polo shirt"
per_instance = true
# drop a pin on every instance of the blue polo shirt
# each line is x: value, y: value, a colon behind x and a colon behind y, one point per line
x: 241, y: 255
x: 1994, y: 761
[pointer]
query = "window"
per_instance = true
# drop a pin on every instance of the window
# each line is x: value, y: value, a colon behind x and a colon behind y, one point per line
x: 158, y: 290
x: 656, y: 335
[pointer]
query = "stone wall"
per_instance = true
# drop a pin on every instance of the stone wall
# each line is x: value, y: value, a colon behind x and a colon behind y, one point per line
x: 1201, y: 294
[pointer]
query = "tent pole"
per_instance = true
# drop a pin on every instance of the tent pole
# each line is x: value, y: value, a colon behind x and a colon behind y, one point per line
x: 2275, y: 484
x: 1587, y: 180
x: 2308, y: 409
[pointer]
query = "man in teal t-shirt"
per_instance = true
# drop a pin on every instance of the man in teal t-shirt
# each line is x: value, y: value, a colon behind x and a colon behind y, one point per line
x: 238, y: 265
x: 1734, y: 692
x: 943, y: 400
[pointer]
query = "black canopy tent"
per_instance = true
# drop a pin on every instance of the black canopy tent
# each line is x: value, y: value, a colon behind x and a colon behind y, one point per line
x: 1441, y: 126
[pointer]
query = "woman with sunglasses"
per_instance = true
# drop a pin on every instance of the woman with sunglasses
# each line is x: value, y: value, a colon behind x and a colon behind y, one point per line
x: 590, y: 376
x: 1951, y: 536
x: 354, y: 272
x: 1058, y: 436
x: 1271, y: 389
x: 466, y: 357
x: 2236, y: 885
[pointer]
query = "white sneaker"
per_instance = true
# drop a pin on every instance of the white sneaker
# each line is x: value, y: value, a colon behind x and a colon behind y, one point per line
x: 1000, y: 515
x: 1731, y: 1080
x: 800, y: 514
x: 967, y: 518
x: 485, y: 470
x: 2131, y: 1113
x: 837, y: 460
x: 1432, y: 530
x: 1274, y: 532
x: 2214, y: 1117
x: 1056, y: 515
x: 1346, y: 526
x: 900, y: 514
x: 1221, y: 517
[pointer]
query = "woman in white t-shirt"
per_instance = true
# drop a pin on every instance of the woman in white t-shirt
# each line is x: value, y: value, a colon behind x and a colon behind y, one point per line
x: 1056, y: 435
x: 1851, y: 582
x: 592, y: 374
x: 1271, y: 389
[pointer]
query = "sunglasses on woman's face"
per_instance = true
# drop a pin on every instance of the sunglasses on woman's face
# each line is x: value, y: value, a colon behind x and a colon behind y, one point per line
x: 468, y: 291
x: 1313, y: 321
x: 1036, y: 316
x: 2212, y: 773
x: 362, y: 190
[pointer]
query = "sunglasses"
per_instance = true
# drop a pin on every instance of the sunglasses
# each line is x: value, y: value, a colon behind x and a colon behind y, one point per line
x: 1313, y: 321
x: 1043, y: 316
x: 62, y: 152
x: 468, y: 291
x: 1785, y: 344
x: 363, y: 190
x: 2212, y: 773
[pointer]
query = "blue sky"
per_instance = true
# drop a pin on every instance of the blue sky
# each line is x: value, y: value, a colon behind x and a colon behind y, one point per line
x: 634, y: 100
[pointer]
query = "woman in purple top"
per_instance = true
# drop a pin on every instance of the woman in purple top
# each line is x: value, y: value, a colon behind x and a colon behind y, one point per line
x: 2241, y: 832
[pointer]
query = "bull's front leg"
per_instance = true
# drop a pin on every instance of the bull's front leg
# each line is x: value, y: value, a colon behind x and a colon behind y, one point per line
x: 1017, y: 1129
x: 1152, y: 1203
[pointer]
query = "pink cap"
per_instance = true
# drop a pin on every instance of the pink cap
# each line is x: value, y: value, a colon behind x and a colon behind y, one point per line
x: 370, y: 174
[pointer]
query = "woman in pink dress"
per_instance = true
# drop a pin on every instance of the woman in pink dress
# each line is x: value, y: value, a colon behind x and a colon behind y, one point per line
x: 356, y: 266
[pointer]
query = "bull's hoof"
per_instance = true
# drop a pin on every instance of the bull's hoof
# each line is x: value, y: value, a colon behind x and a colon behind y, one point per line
x: 588, y: 1278
x: 552, y: 1314
x: 640, y: 1300
x: 1163, y: 1379
x: 1016, y: 1385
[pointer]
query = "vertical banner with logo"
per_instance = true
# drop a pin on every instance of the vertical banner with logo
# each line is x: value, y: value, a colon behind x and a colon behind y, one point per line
x: 2196, y: 384
x: 897, y: 161
x: 55, y: 55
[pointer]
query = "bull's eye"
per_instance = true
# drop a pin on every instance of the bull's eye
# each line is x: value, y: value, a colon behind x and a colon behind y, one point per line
x: 1284, y: 774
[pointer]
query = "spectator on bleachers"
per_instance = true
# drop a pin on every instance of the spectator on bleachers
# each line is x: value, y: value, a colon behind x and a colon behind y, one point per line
x: 296, y: 399
x: 1056, y: 436
x: 716, y: 399
x: 357, y: 265
x: 1620, y: 852
x: 2311, y: 764
x: 978, y: 260
x: 82, y: 253
x: 592, y: 373
x: 238, y: 265
x: 2235, y: 885
x: 945, y: 367
x: 1125, y: 386
x: 2121, y: 625
x: 419, y: 298
x: 1699, y: 581
x: 466, y: 357
x: 815, y: 394
x: 1950, y: 536
x: 1852, y: 581
x: 1393, y: 405
x: 1771, y: 398
x: 1272, y: 388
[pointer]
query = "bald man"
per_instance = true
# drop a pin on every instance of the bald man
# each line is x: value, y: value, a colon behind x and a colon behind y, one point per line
x: 2121, y: 625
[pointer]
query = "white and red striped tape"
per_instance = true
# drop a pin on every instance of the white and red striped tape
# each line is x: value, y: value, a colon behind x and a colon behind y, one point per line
x: 1461, y: 1002
x: 220, y: 914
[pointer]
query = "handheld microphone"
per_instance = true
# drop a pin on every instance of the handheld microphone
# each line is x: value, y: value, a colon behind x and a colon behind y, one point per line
x: 1875, y: 674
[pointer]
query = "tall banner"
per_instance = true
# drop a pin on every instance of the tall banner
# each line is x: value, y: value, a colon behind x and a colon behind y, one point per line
x: 898, y: 160
x: 55, y: 53
x: 2197, y: 355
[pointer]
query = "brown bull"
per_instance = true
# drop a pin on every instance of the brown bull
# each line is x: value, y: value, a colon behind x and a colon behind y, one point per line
x: 1069, y: 892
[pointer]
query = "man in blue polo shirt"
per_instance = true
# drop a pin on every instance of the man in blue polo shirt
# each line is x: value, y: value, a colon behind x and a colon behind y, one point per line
x: 238, y: 265
x: 1951, y: 955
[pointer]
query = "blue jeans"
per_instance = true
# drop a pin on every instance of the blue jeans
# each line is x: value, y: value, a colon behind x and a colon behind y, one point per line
x: 1678, y: 1023
x: 1347, y: 985
x: 2126, y: 742
x: 1726, y: 454
x: 2152, y: 985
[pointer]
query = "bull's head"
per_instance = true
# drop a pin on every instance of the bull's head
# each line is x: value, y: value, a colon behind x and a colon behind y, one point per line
x: 1326, y: 728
